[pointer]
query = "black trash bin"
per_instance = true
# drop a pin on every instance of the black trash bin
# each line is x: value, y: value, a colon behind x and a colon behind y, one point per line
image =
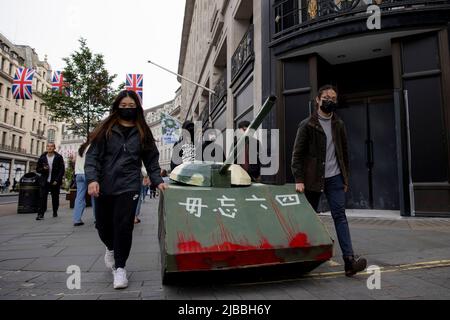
x: 29, y: 193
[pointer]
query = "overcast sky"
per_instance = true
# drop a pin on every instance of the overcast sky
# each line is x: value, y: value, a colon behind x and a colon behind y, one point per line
x: 127, y: 32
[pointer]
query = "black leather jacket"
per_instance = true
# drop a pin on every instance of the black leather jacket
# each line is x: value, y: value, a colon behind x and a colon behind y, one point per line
x: 115, y: 163
x: 57, y: 169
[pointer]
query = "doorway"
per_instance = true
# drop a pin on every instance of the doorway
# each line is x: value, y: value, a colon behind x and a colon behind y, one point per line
x: 368, y: 111
x: 370, y: 124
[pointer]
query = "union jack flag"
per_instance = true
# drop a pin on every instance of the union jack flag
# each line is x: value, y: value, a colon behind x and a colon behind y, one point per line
x: 58, y: 83
x: 135, y: 82
x: 22, y: 87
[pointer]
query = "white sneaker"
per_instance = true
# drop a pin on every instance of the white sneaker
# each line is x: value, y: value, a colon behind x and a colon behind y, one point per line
x: 109, y: 259
x: 120, y: 278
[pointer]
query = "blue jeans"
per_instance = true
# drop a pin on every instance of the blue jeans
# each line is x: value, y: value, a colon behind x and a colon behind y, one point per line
x: 144, y: 190
x: 80, y: 200
x: 334, y: 191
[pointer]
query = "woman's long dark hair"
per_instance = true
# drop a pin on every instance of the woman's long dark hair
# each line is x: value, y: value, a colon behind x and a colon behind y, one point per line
x: 83, y: 147
x: 105, y: 128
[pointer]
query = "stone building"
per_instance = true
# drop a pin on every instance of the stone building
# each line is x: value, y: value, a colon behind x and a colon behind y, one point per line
x: 153, y: 118
x: 221, y: 50
x: 25, y: 125
x: 390, y: 63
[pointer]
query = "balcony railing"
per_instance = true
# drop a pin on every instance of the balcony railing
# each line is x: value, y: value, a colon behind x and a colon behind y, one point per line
x: 4, y: 147
x: 243, y: 54
x: 221, y: 91
x: 39, y: 133
x: 291, y: 15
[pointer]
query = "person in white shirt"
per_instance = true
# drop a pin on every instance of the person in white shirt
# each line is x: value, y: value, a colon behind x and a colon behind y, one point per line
x: 144, y: 190
x: 80, y: 178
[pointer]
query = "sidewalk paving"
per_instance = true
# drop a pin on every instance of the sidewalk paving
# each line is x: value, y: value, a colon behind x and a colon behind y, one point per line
x: 34, y: 255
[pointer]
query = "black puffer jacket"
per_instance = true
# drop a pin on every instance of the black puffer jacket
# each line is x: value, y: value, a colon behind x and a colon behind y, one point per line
x: 115, y: 163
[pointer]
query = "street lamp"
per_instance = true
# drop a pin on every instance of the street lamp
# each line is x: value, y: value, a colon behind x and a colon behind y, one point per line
x: 210, y: 91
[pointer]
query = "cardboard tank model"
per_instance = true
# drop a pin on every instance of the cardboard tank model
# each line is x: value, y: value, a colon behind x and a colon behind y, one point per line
x: 212, y: 218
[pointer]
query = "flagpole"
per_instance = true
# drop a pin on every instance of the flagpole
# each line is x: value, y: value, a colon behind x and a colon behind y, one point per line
x: 211, y: 91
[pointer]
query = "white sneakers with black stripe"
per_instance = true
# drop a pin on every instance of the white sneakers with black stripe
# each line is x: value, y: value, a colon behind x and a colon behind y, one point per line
x: 120, y: 278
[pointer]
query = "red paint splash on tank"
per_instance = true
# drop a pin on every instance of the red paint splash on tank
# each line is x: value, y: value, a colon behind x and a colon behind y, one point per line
x: 325, y: 256
x: 299, y: 241
x: 188, y: 245
x: 191, y: 246
x: 193, y: 256
x: 281, y: 219
x: 265, y: 244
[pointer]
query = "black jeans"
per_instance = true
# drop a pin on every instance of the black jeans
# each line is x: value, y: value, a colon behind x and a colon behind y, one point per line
x: 44, y: 198
x: 115, y: 223
x: 334, y: 191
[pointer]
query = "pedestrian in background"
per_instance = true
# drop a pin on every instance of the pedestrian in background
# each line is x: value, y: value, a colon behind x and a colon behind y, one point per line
x: 251, y: 146
x: 144, y: 190
x: 51, y: 167
x: 119, y: 146
x: 184, y: 149
x: 7, y: 184
x: 320, y: 165
x: 81, y: 183
x: 152, y: 191
x: 165, y: 176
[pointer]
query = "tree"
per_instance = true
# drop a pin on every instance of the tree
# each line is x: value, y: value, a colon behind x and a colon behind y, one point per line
x: 91, y: 92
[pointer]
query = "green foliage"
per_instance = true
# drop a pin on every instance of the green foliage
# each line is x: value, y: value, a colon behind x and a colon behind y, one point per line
x: 69, y: 174
x: 91, y: 91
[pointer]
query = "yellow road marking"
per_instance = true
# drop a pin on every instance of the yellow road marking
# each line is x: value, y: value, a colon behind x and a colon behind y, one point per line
x: 388, y: 269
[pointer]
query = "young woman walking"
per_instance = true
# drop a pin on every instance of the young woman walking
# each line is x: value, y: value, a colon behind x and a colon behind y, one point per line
x: 119, y: 146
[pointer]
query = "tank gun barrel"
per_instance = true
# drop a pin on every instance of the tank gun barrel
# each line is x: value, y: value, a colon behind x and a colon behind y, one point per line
x: 237, y: 149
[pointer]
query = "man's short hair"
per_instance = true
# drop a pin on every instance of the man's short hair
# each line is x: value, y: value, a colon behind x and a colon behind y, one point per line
x: 244, y: 124
x: 326, y: 88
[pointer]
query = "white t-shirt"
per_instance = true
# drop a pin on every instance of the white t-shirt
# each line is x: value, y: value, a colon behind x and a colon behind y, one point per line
x: 50, y: 167
x: 79, y: 162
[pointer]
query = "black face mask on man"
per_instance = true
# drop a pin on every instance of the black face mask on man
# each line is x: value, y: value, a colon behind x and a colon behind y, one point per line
x: 128, y: 114
x: 328, y: 106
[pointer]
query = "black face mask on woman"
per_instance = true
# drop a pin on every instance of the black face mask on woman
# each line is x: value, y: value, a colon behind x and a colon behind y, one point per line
x: 128, y: 114
x: 329, y: 106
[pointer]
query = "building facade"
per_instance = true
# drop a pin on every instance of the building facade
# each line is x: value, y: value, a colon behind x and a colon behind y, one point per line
x: 153, y: 118
x: 221, y: 50
x: 393, y: 83
x: 69, y: 146
x: 25, y: 125
x: 388, y: 59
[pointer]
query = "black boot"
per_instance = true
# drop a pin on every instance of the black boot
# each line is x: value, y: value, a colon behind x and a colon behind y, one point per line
x: 40, y: 217
x: 353, y: 266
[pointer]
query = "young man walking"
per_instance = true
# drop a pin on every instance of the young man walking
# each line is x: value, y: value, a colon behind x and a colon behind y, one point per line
x: 51, y: 167
x: 320, y: 165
